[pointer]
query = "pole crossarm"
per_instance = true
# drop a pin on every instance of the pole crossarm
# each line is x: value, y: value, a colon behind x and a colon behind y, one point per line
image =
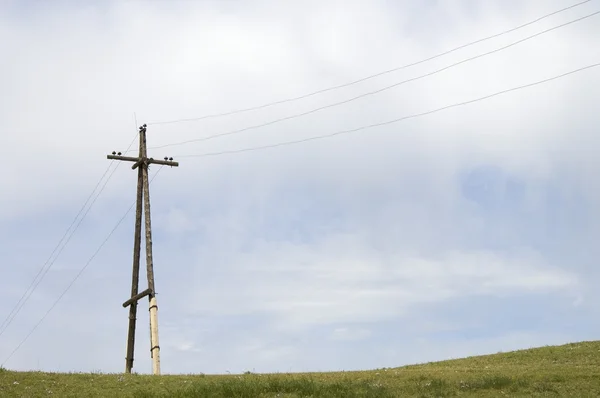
x: 138, y: 160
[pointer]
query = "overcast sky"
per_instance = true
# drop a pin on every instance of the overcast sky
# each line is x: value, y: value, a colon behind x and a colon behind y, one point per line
x: 468, y: 231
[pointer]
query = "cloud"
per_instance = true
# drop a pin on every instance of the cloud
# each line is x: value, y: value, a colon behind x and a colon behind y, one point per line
x: 304, y: 287
x: 353, y: 249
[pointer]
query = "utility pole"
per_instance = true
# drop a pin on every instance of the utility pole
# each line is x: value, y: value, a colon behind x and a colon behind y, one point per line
x: 143, y: 202
x: 137, y: 242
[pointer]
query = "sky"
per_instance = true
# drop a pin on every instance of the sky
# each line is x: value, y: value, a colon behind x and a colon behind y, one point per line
x: 462, y: 232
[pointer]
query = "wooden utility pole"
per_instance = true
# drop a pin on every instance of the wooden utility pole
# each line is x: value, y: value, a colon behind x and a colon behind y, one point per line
x: 135, y: 277
x: 143, y: 201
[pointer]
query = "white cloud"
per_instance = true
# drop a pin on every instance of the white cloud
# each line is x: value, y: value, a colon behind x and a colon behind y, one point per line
x: 304, y: 286
x: 340, y: 235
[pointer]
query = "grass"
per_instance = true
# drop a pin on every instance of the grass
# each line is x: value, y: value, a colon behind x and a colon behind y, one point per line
x: 571, y: 370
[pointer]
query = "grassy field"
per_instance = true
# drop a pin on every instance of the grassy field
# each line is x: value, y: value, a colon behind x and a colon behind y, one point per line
x: 571, y: 370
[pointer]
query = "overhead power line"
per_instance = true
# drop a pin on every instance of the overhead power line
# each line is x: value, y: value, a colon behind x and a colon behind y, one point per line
x: 297, y: 115
x: 286, y: 143
x: 58, y: 249
x: 49, y: 262
x: 321, y: 91
x: 74, y: 279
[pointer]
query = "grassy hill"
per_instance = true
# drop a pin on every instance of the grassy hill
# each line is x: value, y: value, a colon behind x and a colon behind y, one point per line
x: 571, y: 370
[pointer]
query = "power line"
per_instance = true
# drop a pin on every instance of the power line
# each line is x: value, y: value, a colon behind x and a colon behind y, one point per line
x: 13, y: 313
x: 286, y: 143
x: 75, y: 278
x: 297, y: 115
x: 370, y: 76
x: 68, y: 235
x: 35, y: 284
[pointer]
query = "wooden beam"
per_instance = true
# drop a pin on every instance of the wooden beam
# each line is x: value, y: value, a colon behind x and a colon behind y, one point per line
x: 163, y: 162
x: 137, y: 297
x: 137, y: 243
x: 137, y: 161
x: 126, y: 158
x: 153, y: 307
